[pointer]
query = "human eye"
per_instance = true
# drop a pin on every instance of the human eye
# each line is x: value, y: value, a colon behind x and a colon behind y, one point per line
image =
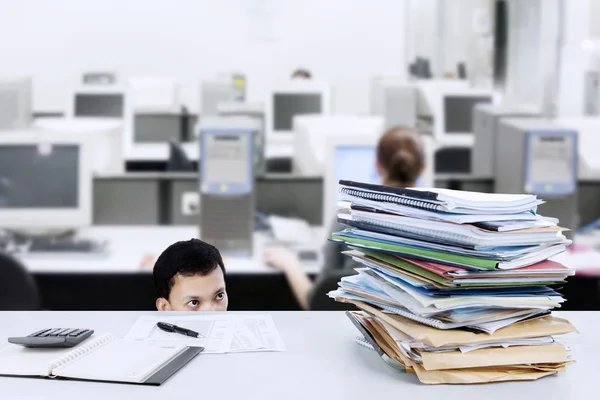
x: 220, y: 296
x: 193, y: 303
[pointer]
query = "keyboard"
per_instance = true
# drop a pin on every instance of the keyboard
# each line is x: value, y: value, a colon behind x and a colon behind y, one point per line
x: 70, y: 245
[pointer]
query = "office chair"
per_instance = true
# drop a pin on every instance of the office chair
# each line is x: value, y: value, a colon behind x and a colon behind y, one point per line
x: 18, y: 291
x: 325, y: 283
x: 178, y: 160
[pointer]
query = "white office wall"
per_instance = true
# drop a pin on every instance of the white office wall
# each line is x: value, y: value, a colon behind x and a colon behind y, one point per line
x: 423, y: 31
x: 574, y: 60
x: 532, y: 46
x: 524, y: 38
x: 443, y: 31
x: 340, y: 41
x: 460, y: 39
x: 593, y: 16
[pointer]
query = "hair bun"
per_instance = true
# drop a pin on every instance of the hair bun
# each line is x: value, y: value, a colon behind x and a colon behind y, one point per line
x: 405, y: 166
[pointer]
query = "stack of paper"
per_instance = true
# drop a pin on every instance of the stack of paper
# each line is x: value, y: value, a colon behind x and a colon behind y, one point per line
x: 455, y: 286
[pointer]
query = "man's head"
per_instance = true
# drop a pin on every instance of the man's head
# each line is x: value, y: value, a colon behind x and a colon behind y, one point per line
x: 190, y: 276
x: 301, y: 73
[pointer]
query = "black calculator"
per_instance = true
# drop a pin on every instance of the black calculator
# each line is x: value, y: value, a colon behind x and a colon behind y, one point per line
x: 53, y: 337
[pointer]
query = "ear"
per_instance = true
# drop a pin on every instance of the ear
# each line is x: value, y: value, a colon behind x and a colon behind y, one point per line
x: 163, y: 304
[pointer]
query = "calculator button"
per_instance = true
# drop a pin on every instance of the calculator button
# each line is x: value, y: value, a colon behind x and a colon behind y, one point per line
x: 82, y: 332
x: 38, y: 333
x: 75, y: 333
x: 66, y: 332
x: 49, y: 333
x: 59, y: 333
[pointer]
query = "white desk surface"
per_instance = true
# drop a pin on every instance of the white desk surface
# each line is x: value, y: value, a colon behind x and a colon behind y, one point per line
x: 321, y: 362
x: 129, y: 246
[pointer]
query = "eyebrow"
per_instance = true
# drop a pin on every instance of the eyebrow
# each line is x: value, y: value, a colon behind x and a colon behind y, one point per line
x: 221, y: 289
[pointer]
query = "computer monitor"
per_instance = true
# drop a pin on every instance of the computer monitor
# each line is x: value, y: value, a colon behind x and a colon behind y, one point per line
x: 354, y: 157
x: 104, y: 102
x: 394, y: 99
x: 455, y: 123
x: 155, y: 95
x: 295, y: 98
x: 105, y: 134
x: 99, y: 105
x: 15, y: 103
x: 446, y: 110
x: 458, y: 112
x: 311, y: 133
x: 45, y: 181
x: 588, y: 143
x: 216, y: 91
x: 157, y: 127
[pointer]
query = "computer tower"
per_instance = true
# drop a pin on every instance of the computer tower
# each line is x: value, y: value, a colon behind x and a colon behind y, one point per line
x: 227, y: 201
x: 486, y: 118
x: 228, y: 222
x: 539, y: 157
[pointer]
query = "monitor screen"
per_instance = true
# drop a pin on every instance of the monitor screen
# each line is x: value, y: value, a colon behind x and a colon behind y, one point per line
x: 39, y: 176
x: 357, y: 163
x: 287, y: 106
x: 458, y: 112
x: 99, y: 105
x: 156, y: 128
x: 227, y: 159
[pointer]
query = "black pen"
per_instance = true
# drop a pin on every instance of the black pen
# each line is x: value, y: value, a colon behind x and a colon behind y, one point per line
x: 177, y: 329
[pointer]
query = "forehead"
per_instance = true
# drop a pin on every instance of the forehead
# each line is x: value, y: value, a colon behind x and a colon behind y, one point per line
x: 198, y: 285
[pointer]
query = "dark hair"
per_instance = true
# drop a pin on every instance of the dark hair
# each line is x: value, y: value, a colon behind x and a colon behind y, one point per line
x: 302, y: 73
x: 192, y: 257
x: 400, y: 154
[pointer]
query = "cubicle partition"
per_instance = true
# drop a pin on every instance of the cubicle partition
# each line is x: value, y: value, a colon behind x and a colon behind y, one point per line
x: 135, y: 291
x: 158, y: 198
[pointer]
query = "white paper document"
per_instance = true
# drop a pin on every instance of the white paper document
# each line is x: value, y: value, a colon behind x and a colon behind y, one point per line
x: 220, y: 333
x: 262, y: 329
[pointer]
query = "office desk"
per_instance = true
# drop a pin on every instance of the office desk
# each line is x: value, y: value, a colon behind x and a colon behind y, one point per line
x: 160, y: 151
x: 119, y: 282
x: 129, y: 246
x: 321, y: 362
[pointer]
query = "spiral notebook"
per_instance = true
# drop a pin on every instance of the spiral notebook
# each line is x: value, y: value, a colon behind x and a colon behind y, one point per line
x: 361, y: 341
x: 100, y: 358
x: 441, y: 200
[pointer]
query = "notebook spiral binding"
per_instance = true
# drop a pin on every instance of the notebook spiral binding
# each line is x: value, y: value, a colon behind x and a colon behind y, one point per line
x: 385, y: 198
x: 363, y: 342
x: 429, y: 233
x: 81, y: 351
